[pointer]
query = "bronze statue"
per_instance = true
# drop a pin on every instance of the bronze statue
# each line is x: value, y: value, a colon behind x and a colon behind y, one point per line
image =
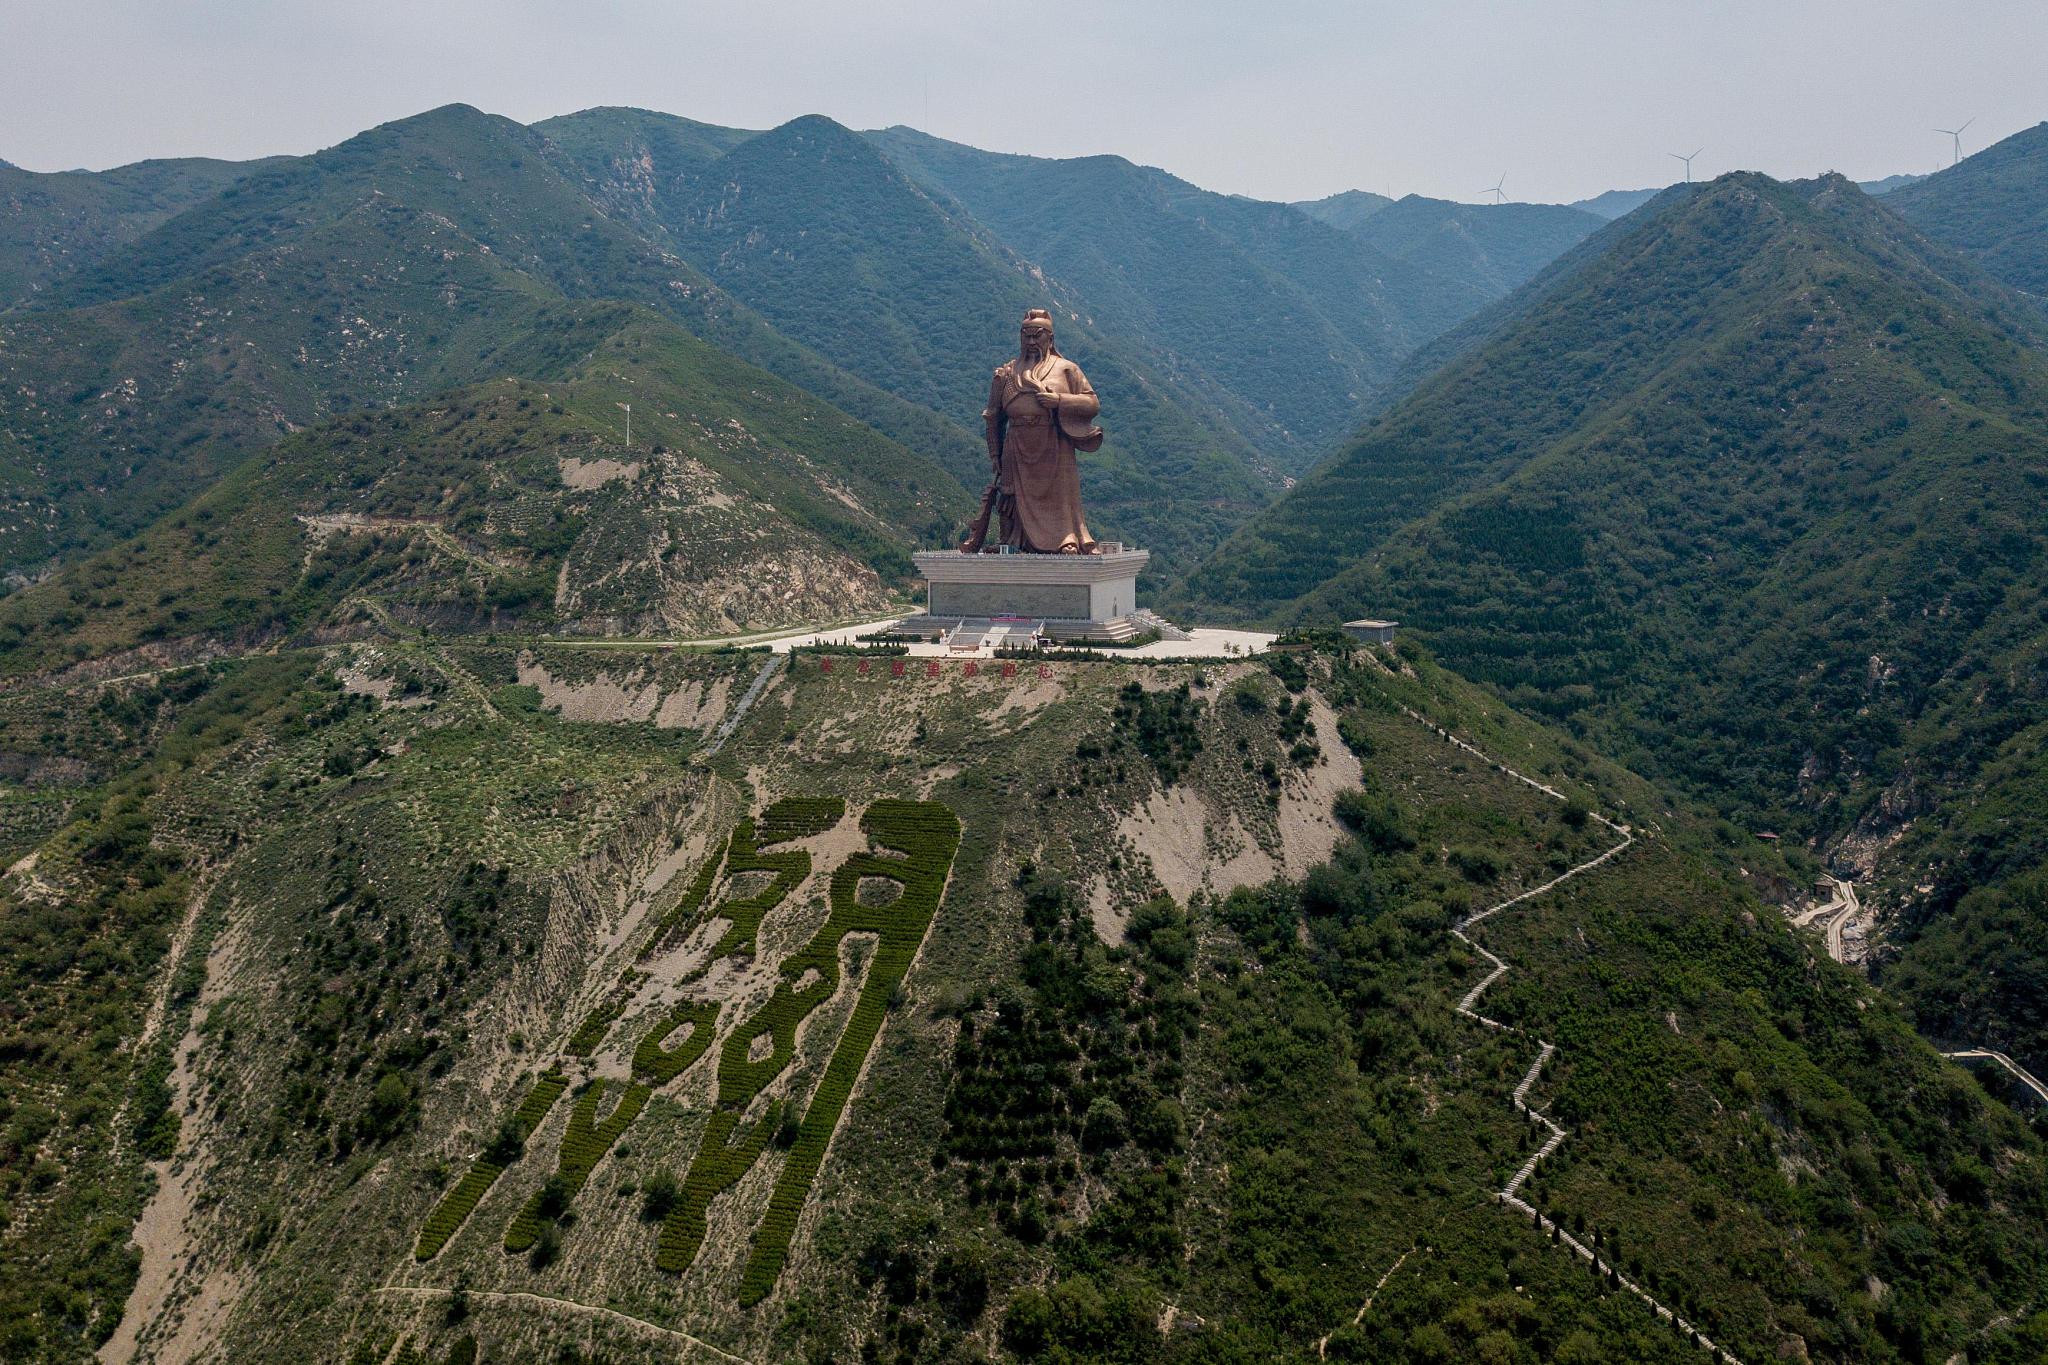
x: 1040, y: 412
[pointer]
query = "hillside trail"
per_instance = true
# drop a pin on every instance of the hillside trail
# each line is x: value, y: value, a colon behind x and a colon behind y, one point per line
x: 1841, y: 909
x: 565, y: 1306
x: 1509, y: 1195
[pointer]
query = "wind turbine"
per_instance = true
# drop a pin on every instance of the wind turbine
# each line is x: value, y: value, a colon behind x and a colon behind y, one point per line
x: 1679, y: 156
x: 1495, y: 191
x: 1956, y: 137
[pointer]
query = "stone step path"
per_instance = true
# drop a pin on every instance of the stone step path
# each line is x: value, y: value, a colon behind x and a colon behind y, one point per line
x: 1841, y: 909
x: 1509, y: 1196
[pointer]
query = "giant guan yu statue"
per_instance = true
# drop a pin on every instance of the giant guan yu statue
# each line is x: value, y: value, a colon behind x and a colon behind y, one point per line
x: 1040, y: 412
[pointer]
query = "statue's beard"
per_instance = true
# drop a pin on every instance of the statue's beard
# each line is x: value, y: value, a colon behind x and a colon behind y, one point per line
x: 1034, y: 353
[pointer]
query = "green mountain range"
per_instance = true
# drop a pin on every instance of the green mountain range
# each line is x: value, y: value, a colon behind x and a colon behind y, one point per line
x: 1287, y: 326
x: 436, y: 972
x: 1491, y: 249
x: 426, y: 937
x: 841, y: 251
x: 882, y: 274
x: 53, y: 226
x: 743, y: 504
x: 417, y: 256
x: 1749, y: 496
x: 1992, y: 207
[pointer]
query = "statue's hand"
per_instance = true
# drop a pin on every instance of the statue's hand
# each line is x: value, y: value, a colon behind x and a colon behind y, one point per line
x: 1048, y: 400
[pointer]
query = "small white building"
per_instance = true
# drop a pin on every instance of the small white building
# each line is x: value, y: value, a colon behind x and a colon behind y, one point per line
x: 1371, y: 632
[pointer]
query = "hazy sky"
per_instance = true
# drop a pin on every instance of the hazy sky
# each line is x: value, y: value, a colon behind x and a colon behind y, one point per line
x: 1282, y: 99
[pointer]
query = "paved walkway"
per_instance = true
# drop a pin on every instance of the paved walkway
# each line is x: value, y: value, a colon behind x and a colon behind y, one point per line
x: 1985, y: 1054
x: 1509, y: 1195
x: 1842, y: 910
x: 1202, y: 643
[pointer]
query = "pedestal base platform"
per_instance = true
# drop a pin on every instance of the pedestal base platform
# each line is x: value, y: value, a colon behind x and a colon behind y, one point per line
x: 1067, y: 597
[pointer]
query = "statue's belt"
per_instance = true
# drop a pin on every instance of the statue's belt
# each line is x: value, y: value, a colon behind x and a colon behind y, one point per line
x: 1034, y: 419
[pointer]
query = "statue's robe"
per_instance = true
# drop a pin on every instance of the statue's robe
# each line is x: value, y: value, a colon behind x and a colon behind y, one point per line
x: 1038, y: 478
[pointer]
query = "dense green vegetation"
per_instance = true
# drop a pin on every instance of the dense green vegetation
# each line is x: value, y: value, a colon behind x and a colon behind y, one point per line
x: 1278, y: 323
x: 1745, y: 490
x: 1487, y: 249
x: 661, y: 1063
x: 179, y: 316
x: 1751, y: 498
x: 842, y: 251
x: 53, y: 226
x: 1991, y: 206
x: 470, y: 511
x: 1233, y: 1115
x: 507, y: 1146
x: 81, y: 949
x: 585, y: 1140
x: 427, y: 253
x: 918, y: 840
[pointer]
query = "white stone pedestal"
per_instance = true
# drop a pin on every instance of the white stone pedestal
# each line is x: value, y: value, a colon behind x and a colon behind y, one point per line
x: 1077, y: 597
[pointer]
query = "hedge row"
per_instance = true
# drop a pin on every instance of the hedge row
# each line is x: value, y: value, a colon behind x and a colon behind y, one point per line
x: 800, y: 817
x: 660, y: 1065
x: 455, y: 1208
x: 928, y: 835
x: 584, y: 1143
x: 595, y: 1025
x: 686, y: 909
x: 743, y: 855
x: 716, y: 1169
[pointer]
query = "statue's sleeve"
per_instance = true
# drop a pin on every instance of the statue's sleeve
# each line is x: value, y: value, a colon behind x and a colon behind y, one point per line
x: 1080, y: 403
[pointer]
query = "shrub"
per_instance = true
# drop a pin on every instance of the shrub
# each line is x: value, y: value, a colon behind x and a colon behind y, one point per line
x: 1104, y: 1126
x: 590, y: 1033
x: 743, y: 855
x: 1375, y: 819
x: 800, y: 817
x: 1479, y: 865
x: 659, y: 1198
x: 685, y: 910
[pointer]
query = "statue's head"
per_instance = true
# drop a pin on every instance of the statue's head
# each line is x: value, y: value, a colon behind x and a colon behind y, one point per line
x: 1034, y: 335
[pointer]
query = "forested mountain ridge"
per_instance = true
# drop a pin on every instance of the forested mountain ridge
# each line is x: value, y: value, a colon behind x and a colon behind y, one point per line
x: 1290, y: 322
x: 413, y: 257
x: 1992, y: 206
x: 1491, y: 249
x: 54, y: 225
x: 843, y: 252
x: 414, y: 981
x: 742, y: 504
x: 1234, y: 338
x: 1346, y: 209
x: 1752, y: 496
